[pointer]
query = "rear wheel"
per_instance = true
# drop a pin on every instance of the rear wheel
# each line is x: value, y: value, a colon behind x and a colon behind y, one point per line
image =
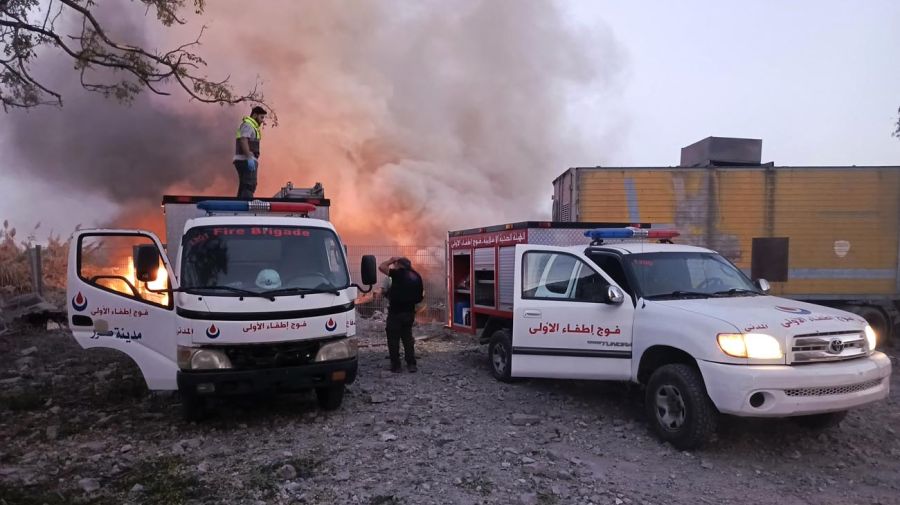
x: 500, y: 355
x: 330, y: 397
x: 818, y: 422
x: 678, y: 408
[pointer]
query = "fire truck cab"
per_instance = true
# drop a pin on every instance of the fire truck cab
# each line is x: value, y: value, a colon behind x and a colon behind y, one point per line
x: 248, y: 297
x: 682, y: 321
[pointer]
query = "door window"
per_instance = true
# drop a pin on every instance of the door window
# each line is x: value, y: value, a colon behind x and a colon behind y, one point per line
x: 557, y: 276
x: 107, y: 262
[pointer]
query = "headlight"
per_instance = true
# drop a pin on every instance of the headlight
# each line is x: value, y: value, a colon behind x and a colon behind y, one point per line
x: 871, y: 337
x: 198, y: 358
x: 750, y: 345
x: 342, y: 349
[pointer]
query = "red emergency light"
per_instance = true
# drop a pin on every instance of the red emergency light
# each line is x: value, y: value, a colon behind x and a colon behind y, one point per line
x: 663, y: 234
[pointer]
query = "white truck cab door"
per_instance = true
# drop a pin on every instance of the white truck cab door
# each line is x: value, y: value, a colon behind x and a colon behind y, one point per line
x: 108, y: 307
x: 564, y: 325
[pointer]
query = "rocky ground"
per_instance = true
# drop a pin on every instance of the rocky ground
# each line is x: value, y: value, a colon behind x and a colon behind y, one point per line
x: 79, y: 427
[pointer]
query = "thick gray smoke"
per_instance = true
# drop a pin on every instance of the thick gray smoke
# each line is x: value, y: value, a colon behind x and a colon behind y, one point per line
x: 417, y: 117
x: 125, y: 154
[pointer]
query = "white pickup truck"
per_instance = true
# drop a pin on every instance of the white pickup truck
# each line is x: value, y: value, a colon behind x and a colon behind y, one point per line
x: 691, y: 327
x: 252, y: 297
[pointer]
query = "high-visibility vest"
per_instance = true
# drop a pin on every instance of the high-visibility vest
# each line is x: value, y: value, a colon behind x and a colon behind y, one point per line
x: 253, y: 142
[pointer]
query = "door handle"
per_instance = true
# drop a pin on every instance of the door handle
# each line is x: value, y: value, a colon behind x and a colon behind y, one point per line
x: 532, y: 313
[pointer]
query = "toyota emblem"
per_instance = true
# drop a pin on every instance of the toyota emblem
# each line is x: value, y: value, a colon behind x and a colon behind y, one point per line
x: 835, y: 346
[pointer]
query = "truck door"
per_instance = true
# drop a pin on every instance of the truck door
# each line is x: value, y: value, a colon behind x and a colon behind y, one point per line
x: 109, y: 307
x: 564, y: 323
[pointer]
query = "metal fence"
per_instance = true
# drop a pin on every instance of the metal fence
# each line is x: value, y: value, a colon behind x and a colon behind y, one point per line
x: 428, y: 260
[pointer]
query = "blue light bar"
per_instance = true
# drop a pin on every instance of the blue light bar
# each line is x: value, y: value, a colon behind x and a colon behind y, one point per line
x: 224, y: 205
x: 602, y: 233
x: 256, y: 206
x: 631, y: 232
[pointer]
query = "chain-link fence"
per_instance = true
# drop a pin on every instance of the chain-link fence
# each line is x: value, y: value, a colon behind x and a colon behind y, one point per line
x: 429, y: 261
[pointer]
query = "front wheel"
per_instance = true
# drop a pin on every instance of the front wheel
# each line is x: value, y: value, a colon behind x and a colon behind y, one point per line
x: 678, y: 407
x: 330, y: 397
x: 194, y: 408
x: 500, y: 355
x: 818, y: 422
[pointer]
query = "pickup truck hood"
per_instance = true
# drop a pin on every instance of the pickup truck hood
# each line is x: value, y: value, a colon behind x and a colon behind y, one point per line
x: 807, y: 333
x: 774, y: 316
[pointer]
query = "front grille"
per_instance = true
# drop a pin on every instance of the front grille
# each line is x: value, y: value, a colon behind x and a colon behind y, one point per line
x: 835, y: 346
x: 833, y: 390
x: 272, y: 355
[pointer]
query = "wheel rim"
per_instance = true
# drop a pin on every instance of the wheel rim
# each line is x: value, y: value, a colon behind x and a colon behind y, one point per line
x: 670, y: 408
x: 498, y: 358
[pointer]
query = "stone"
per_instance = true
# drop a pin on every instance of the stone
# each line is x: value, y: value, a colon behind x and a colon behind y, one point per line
x: 388, y: 437
x: 378, y: 398
x: 6, y: 471
x: 89, y: 485
x: 524, y: 420
x: 286, y: 472
x: 137, y: 488
x: 706, y: 464
x: 93, y: 446
x: 342, y: 476
x: 29, y: 351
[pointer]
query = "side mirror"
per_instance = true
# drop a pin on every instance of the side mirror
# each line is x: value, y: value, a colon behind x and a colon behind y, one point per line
x: 614, y: 295
x: 763, y: 285
x: 368, y: 270
x: 146, y: 262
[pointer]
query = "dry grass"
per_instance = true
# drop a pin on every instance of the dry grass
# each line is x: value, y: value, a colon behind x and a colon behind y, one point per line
x: 15, y: 269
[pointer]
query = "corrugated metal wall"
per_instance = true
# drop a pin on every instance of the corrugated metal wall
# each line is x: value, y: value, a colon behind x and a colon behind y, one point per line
x: 822, y: 210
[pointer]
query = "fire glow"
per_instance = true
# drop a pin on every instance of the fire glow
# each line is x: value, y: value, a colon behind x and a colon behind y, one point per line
x: 145, y: 290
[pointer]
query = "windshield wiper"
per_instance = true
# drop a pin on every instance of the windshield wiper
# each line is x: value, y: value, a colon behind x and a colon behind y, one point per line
x: 303, y: 291
x: 245, y: 292
x: 735, y: 291
x: 680, y: 294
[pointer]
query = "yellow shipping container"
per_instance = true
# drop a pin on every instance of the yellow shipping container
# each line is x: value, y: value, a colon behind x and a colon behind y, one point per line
x: 842, y: 224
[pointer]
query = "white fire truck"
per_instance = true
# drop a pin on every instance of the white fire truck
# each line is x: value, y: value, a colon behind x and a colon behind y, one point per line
x: 252, y: 296
x: 566, y: 301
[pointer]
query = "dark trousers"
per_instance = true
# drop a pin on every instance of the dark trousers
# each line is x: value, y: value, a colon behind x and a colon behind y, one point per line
x: 246, y: 179
x: 399, y: 328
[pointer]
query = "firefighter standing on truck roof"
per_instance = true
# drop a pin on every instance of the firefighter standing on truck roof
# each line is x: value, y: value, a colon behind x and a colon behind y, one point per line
x: 246, y: 151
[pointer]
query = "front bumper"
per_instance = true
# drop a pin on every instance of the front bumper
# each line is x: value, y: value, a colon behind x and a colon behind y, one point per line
x: 798, y: 389
x: 282, y: 379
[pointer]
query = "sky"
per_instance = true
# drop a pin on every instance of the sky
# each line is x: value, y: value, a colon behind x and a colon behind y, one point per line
x: 817, y: 81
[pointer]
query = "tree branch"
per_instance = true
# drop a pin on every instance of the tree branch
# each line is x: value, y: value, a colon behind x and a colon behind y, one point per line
x: 94, y: 48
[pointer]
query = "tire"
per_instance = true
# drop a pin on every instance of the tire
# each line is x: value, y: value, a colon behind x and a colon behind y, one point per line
x: 678, y: 407
x: 876, y: 319
x: 330, y: 397
x: 194, y: 408
x: 819, y: 422
x: 500, y: 355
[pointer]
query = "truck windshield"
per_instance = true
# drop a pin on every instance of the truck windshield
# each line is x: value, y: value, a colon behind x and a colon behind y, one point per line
x: 262, y: 259
x: 686, y: 274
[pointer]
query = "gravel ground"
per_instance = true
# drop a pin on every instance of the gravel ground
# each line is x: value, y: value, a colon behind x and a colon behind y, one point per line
x: 79, y: 427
